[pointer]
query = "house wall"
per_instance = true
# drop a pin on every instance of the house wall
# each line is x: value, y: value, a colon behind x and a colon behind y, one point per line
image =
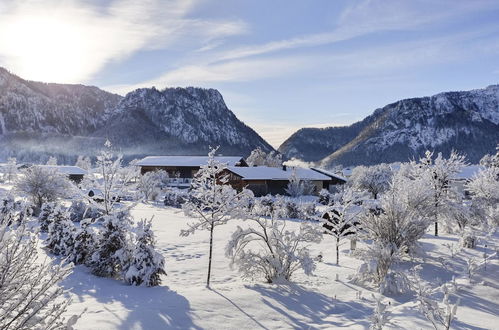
x: 173, y: 171
x: 76, y: 177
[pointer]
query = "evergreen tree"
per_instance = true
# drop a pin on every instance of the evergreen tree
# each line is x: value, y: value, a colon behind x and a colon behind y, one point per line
x: 146, y: 264
x: 113, y: 248
x: 61, y: 233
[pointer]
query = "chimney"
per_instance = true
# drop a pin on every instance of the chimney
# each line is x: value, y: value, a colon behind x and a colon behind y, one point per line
x: 284, y: 168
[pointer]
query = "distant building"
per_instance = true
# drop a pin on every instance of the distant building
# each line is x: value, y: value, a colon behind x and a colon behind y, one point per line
x: 263, y: 180
x: 74, y: 173
x: 183, y: 168
x: 335, y: 178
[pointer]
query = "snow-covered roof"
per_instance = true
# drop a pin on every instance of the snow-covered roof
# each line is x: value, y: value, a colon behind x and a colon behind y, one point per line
x: 193, y: 161
x: 276, y: 173
x: 65, y: 169
x: 329, y: 174
x: 468, y: 172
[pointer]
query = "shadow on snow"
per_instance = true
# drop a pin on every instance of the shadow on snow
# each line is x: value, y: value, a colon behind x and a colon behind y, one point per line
x: 148, y: 308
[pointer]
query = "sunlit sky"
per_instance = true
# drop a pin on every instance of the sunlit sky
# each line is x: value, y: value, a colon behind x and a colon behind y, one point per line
x: 280, y: 65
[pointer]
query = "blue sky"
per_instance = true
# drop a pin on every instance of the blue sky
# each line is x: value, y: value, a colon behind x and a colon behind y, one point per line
x: 280, y: 65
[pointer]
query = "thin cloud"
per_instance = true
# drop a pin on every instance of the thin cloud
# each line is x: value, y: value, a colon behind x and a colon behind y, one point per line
x: 371, y: 16
x: 70, y: 41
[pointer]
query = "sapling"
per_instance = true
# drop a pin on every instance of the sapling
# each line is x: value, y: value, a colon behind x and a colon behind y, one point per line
x: 212, y: 202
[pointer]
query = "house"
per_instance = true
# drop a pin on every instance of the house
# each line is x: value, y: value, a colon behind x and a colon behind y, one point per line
x: 263, y: 180
x: 74, y: 173
x: 335, y: 178
x: 183, y: 168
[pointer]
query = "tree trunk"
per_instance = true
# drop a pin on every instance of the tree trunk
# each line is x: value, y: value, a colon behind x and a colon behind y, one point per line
x: 436, y: 228
x: 337, y: 251
x: 210, y: 255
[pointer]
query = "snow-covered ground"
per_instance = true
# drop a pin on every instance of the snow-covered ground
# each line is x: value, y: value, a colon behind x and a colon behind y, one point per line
x: 310, y: 302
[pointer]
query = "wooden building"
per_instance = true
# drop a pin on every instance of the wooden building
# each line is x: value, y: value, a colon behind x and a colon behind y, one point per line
x: 335, y: 178
x: 263, y: 180
x: 74, y: 173
x: 184, y: 166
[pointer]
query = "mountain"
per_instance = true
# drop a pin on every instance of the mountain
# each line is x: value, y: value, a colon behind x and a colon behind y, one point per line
x: 467, y: 122
x: 38, y: 120
x: 178, y: 121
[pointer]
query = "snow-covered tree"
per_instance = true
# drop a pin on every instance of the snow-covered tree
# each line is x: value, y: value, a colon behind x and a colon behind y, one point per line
x: 61, y: 232
x: 114, y: 246
x: 394, y: 225
x: 30, y: 297
x: 85, y: 243
x: 212, y: 202
x: 298, y: 187
x: 266, y: 248
x: 150, y: 183
x: 491, y: 160
x: 484, y: 189
x: 258, y: 157
x: 10, y: 169
x: 380, y: 316
x: 374, y: 179
x: 439, y: 314
x: 341, y: 219
x: 438, y: 174
x: 84, y: 162
x: 401, y: 217
x: 43, y: 185
x: 52, y: 160
x: 146, y: 264
x: 44, y: 216
x: 114, y: 179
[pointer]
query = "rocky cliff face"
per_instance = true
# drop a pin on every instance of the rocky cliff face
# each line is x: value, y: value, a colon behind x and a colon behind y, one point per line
x: 38, y: 120
x: 465, y: 121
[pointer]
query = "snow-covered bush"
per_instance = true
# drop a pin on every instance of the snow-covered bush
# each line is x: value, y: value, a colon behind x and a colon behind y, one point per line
x: 484, y: 189
x: 61, y: 232
x: 266, y: 249
x: 44, y: 216
x: 146, y: 265
x: 43, y: 185
x: 439, y: 314
x: 377, y: 269
x: 12, y: 212
x: 175, y: 198
x: 78, y: 210
x: 212, y: 202
x: 113, y: 249
x: 380, y: 316
x: 325, y: 197
x: 262, y: 206
x: 402, y: 215
x: 151, y: 182
x: 374, y: 179
x: 30, y: 297
x: 85, y: 243
x: 309, y: 211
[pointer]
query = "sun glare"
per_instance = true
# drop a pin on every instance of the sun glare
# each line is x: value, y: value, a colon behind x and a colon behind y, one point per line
x: 45, y: 48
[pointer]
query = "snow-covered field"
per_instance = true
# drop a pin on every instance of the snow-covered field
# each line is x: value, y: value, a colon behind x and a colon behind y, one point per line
x: 318, y: 301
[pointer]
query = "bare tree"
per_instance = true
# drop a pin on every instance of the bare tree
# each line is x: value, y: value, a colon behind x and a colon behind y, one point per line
x: 212, y: 202
x: 43, y: 184
x: 30, y: 296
